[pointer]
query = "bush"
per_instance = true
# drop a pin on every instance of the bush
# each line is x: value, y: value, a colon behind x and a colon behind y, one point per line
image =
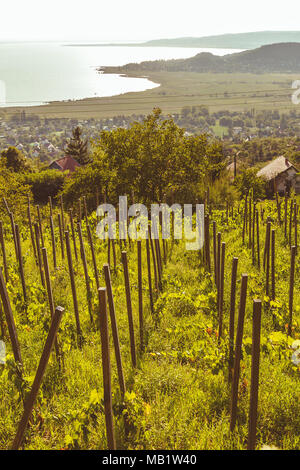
x: 247, y: 180
x: 223, y: 191
x: 85, y: 181
x: 45, y: 183
x: 13, y: 189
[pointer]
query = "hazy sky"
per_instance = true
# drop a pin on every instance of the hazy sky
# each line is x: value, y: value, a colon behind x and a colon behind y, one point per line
x: 141, y: 19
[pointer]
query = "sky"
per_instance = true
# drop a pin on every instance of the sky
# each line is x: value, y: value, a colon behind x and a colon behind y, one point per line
x: 130, y: 20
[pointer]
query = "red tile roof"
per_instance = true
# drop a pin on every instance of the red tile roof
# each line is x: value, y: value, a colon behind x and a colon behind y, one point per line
x: 66, y: 163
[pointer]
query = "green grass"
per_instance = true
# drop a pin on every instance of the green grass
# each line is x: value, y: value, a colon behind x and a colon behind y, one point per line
x: 219, y: 131
x: 179, y: 396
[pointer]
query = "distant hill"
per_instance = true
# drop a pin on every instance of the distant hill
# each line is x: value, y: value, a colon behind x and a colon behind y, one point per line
x: 230, y: 41
x: 222, y: 41
x: 282, y: 58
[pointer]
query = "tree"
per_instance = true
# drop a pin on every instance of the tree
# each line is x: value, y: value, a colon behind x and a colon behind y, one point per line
x: 15, y: 191
x: 153, y: 159
x: 77, y: 147
x: 14, y: 160
x: 86, y: 181
x: 247, y: 180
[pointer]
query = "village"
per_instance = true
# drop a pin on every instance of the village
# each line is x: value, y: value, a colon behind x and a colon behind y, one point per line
x: 46, y: 138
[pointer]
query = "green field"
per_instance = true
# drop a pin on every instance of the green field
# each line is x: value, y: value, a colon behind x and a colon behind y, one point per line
x: 233, y: 92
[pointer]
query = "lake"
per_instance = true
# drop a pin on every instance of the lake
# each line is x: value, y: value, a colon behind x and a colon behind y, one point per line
x: 37, y: 73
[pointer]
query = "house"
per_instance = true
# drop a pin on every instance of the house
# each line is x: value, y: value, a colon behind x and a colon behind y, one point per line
x: 237, y: 130
x: 66, y: 163
x: 51, y: 149
x: 281, y: 176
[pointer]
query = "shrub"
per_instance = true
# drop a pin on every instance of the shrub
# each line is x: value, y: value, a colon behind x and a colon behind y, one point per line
x: 44, y: 184
x: 247, y: 180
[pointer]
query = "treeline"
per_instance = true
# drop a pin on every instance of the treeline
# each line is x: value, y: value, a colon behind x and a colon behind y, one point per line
x: 154, y: 160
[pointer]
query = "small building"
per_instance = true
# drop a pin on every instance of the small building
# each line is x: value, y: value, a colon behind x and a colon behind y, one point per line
x: 66, y: 163
x: 51, y: 149
x: 281, y: 176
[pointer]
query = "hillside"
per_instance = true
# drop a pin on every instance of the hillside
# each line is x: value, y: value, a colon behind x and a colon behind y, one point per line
x: 235, y: 41
x: 250, y: 40
x: 283, y: 57
x: 195, y: 349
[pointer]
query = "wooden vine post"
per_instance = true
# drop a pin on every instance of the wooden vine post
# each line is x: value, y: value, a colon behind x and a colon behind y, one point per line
x: 285, y: 215
x: 13, y: 229
x: 129, y: 308
x: 73, y: 287
x: 61, y: 237
x: 273, y: 264
x: 38, y: 378
x: 254, y: 374
x: 291, y: 222
x: 154, y: 264
x: 149, y: 275
x: 21, y: 268
x: 114, y: 327
x: 53, y: 242
x: 10, y: 321
x: 38, y: 249
x: 218, y: 264
x: 50, y: 296
x: 106, y: 368
x: 90, y: 240
x: 73, y: 234
x: 267, y: 256
x: 31, y: 230
x: 40, y: 225
x: 296, y: 227
x: 85, y: 270
x: 257, y: 240
x: 232, y: 317
x: 215, y: 249
x: 140, y: 291
x: 3, y: 252
x: 238, y: 351
x: 291, y: 290
x: 221, y: 295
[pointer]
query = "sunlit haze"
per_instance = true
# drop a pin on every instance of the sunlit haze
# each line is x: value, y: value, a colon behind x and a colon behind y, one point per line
x: 115, y: 20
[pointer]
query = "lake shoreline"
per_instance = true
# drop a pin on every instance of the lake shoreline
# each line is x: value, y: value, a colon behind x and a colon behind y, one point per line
x: 34, y: 75
x: 175, y: 91
x: 87, y: 99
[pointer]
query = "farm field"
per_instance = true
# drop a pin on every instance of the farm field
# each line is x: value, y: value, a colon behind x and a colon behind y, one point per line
x: 216, y: 91
x: 179, y: 390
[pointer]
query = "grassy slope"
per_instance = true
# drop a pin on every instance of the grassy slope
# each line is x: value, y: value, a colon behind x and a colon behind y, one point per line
x: 179, y: 397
